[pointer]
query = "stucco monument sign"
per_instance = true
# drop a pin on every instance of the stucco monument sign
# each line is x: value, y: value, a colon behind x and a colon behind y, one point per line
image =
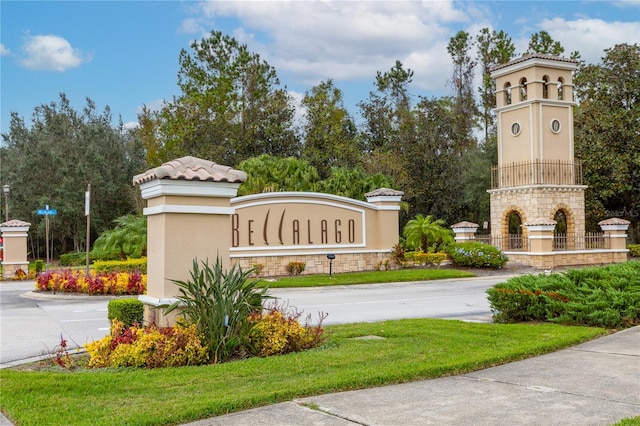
x: 193, y: 213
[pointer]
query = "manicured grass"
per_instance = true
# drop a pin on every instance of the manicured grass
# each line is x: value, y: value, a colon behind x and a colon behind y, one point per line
x: 411, y: 350
x: 372, y: 277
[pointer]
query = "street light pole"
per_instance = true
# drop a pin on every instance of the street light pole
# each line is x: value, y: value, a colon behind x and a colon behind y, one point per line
x: 6, y: 189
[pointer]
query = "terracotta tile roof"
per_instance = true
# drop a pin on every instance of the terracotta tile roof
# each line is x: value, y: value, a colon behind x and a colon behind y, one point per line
x: 528, y: 56
x: 384, y: 192
x: 191, y: 168
x: 14, y: 223
x: 540, y: 221
x: 465, y: 224
x: 614, y: 221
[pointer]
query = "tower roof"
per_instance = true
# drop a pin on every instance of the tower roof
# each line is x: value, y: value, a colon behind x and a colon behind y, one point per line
x: 537, y: 58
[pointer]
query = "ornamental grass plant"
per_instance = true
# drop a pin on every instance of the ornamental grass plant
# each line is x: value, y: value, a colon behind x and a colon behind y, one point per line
x: 219, y: 304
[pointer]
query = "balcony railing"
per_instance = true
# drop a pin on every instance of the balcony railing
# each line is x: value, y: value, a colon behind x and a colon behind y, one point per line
x: 536, y: 172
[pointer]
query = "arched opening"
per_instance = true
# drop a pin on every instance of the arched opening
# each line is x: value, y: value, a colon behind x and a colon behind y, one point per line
x: 523, y: 89
x: 514, y: 233
x: 560, y: 88
x: 560, y: 236
x: 507, y: 93
x: 545, y: 87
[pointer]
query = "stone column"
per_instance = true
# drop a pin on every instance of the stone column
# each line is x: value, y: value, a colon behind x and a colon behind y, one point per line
x: 615, y: 233
x: 540, y: 235
x: 464, y: 231
x: 188, y: 213
x: 14, y: 234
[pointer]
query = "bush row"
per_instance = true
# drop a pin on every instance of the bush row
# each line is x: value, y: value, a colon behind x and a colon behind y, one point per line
x: 606, y: 296
x: 477, y: 255
x: 129, y: 265
x: 272, y: 333
x: 78, y: 282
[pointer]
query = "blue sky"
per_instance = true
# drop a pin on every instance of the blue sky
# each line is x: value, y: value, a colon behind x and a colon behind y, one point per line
x: 124, y: 54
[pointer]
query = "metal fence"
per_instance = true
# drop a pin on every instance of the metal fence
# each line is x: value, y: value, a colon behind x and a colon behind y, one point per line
x: 516, y: 242
x: 535, y: 173
x: 586, y: 241
x: 508, y: 242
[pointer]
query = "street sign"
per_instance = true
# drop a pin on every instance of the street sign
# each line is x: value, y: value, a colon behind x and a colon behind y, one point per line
x: 50, y: 212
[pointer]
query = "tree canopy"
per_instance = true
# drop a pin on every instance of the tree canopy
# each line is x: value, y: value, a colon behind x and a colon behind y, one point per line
x: 52, y: 161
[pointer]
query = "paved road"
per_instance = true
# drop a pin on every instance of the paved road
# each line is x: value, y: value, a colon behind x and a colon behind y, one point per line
x: 31, y: 327
x: 464, y: 299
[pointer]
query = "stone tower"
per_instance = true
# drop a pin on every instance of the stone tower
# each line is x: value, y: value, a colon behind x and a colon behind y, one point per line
x: 536, y: 178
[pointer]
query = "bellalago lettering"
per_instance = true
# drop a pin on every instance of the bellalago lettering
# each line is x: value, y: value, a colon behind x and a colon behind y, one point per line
x: 292, y: 231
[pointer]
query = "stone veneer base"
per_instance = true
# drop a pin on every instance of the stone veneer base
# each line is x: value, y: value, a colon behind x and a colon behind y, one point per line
x: 559, y: 258
x: 317, y: 264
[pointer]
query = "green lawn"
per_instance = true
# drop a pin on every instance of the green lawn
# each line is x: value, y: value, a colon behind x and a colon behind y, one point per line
x: 411, y: 350
x: 371, y: 277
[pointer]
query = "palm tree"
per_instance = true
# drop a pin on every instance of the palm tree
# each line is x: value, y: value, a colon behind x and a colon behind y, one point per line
x: 423, y: 231
x: 128, y: 238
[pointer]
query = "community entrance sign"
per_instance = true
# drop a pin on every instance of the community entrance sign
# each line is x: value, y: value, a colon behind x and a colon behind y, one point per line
x: 193, y: 213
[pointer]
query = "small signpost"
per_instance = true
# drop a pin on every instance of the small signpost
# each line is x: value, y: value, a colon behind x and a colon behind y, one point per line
x: 46, y: 212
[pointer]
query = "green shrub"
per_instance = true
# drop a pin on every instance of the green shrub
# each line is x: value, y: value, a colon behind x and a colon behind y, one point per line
x: 129, y: 311
x: 296, y: 268
x: 149, y: 347
x: 39, y: 266
x: 219, y: 303
x: 420, y: 258
x: 278, y: 332
x: 73, y: 259
x: 129, y: 265
x: 634, y: 250
x: 606, y: 296
x: 476, y: 255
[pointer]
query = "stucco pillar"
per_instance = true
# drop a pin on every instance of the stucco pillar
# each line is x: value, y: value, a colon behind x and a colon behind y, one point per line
x: 14, y: 235
x: 464, y: 231
x: 615, y: 233
x: 387, y: 202
x: 540, y: 235
x: 188, y: 217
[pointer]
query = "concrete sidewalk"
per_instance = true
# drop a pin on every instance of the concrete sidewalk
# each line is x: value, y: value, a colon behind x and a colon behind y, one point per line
x: 595, y: 383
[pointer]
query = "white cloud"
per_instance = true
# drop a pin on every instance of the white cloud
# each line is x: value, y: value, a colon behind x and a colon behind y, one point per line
x: 349, y: 40
x: 3, y: 50
x: 591, y: 36
x: 51, y: 53
x: 129, y: 125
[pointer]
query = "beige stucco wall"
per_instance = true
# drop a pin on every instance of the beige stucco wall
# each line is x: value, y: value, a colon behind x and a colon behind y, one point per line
x: 14, y: 234
x: 273, y: 229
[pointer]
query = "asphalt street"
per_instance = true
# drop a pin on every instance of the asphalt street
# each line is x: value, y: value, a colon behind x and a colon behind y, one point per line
x: 32, y: 325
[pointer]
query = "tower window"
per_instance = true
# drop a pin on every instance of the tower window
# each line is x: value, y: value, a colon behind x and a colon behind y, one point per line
x: 523, y: 89
x: 507, y: 93
x: 515, y: 129
x: 545, y: 87
x: 560, y: 89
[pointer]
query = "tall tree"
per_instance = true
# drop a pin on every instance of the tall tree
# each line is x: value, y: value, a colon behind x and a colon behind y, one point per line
x: 607, y: 135
x: 54, y: 159
x: 388, y: 121
x: 231, y: 107
x: 330, y: 137
x: 542, y: 42
x: 494, y: 48
x: 466, y: 111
